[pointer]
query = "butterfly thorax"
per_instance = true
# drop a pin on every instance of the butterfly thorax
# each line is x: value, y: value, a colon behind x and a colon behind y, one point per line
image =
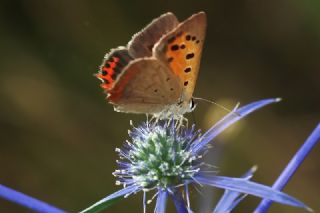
x: 175, y: 111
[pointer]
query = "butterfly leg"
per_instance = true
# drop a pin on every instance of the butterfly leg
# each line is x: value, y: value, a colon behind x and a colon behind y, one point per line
x: 180, y: 121
x: 148, y: 121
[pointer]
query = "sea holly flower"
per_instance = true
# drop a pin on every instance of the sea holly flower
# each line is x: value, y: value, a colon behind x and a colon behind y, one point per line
x: 166, y: 160
x: 163, y: 158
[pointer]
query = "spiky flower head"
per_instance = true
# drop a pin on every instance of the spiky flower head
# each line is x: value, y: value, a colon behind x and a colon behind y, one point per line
x: 158, y: 155
x: 163, y: 156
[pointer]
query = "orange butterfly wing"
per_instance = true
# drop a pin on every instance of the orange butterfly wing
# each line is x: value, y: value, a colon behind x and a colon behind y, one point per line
x: 181, y: 50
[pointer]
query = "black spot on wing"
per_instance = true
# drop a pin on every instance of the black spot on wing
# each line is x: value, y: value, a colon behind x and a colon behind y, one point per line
x: 175, y: 47
x: 188, y: 69
x: 189, y: 56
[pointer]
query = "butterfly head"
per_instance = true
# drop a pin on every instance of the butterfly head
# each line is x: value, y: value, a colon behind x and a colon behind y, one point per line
x: 192, y: 105
x: 185, y: 106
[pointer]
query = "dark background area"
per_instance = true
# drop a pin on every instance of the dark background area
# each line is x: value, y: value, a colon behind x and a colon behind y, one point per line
x: 58, y: 134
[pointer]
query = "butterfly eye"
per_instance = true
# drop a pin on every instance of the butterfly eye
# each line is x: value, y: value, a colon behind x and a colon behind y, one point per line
x: 192, y: 105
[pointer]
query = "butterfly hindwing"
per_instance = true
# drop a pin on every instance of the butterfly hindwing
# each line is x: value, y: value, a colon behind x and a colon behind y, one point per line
x: 142, y: 43
x: 112, y: 66
x: 147, y: 86
x: 181, y: 50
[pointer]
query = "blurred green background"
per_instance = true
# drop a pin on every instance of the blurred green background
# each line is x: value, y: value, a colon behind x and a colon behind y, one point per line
x: 58, y: 134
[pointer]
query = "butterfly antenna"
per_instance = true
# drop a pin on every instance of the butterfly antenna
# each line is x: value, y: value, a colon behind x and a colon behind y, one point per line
x: 219, y: 105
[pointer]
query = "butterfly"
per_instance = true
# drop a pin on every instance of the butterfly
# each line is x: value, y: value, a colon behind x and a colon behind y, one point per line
x: 156, y: 72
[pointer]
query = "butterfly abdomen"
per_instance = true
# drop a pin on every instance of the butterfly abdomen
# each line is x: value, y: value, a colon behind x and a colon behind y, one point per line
x: 113, y: 64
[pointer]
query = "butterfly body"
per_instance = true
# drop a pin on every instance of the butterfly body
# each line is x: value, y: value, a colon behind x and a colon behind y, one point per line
x: 156, y: 73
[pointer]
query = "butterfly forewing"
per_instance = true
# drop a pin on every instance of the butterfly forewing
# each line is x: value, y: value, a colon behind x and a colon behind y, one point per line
x: 146, y: 86
x: 142, y: 43
x: 181, y: 50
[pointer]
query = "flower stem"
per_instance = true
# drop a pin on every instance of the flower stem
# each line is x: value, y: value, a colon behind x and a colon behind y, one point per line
x: 27, y: 201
